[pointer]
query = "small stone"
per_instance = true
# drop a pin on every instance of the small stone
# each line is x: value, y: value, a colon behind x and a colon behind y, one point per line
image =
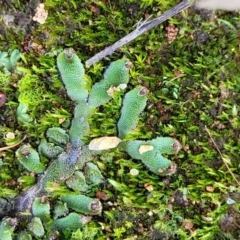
x: 210, y: 188
x: 134, y: 172
x: 150, y: 213
x: 10, y: 135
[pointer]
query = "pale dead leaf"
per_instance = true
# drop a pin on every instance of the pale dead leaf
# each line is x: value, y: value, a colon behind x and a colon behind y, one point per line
x: 145, y: 148
x: 104, y: 143
x: 113, y: 89
x: 122, y: 86
x: 41, y: 14
x: 207, y: 219
x: 61, y: 120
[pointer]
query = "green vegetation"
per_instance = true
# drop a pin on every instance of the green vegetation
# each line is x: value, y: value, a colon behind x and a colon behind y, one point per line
x: 69, y: 154
x: 193, y: 96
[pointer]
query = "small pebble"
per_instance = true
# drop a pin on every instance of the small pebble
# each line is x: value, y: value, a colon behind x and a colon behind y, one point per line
x: 134, y: 172
x: 10, y: 135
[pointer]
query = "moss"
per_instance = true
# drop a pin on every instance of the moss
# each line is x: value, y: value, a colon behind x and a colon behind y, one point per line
x: 203, y: 57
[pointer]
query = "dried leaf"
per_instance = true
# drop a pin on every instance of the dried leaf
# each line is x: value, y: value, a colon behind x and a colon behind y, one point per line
x: 113, y: 89
x: 41, y: 14
x: 145, y: 148
x: 104, y: 143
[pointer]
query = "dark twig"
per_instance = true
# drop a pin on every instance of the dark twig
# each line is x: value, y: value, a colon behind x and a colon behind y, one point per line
x: 141, y: 28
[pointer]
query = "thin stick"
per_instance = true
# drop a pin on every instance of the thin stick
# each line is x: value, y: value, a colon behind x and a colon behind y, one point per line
x: 12, y: 146
x: 228, y: 168
x: 141, y: 28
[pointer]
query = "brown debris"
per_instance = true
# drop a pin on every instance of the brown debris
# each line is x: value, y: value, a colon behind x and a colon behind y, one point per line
x: 102, y: 195
x: 187, y: 224
x: 172, y: 32
x: 41, y: 14
x: 3, y: 99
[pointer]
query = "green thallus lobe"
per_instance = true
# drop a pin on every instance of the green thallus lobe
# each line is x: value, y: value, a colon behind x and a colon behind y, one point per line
x: 29, y: 158
x: 72, y: 74
x: 150, y: 152
x: 71, y: 221
x: 83, y: 204
x: 36, y: 227
x: 133, y: 104
x: 117, y: 73
x: 7, y: 227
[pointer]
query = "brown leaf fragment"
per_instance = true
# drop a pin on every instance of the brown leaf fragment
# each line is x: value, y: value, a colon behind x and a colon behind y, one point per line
x: 3, y: 99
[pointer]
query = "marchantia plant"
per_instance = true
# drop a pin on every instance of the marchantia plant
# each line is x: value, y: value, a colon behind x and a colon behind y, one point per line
x: 71, y: 154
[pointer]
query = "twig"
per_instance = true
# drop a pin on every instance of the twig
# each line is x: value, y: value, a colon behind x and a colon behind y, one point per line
x: 223, y: 159
x: 181, y: 75
x: 141, y: 28
x: 12, y: 146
